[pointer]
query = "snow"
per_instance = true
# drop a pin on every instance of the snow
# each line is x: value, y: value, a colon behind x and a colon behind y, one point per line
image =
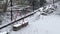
x: 40, y: 24
x: 24, y: 22
x: 3, y: 33
x: 17, y: 25
x: 44, y: 25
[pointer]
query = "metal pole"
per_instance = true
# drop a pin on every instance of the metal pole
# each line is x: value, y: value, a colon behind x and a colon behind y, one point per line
x: 11, y: 10
x: 33, y: 5
x: 53, y: 1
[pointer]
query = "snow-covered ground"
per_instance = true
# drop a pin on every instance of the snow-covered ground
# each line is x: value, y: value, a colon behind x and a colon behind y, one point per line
x: 39, y: 24
x: 16, y: 15
x: 42, y: 24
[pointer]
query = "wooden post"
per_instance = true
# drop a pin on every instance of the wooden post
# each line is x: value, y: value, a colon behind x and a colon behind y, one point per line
x: 53, y: 1
x: 23, y: 21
